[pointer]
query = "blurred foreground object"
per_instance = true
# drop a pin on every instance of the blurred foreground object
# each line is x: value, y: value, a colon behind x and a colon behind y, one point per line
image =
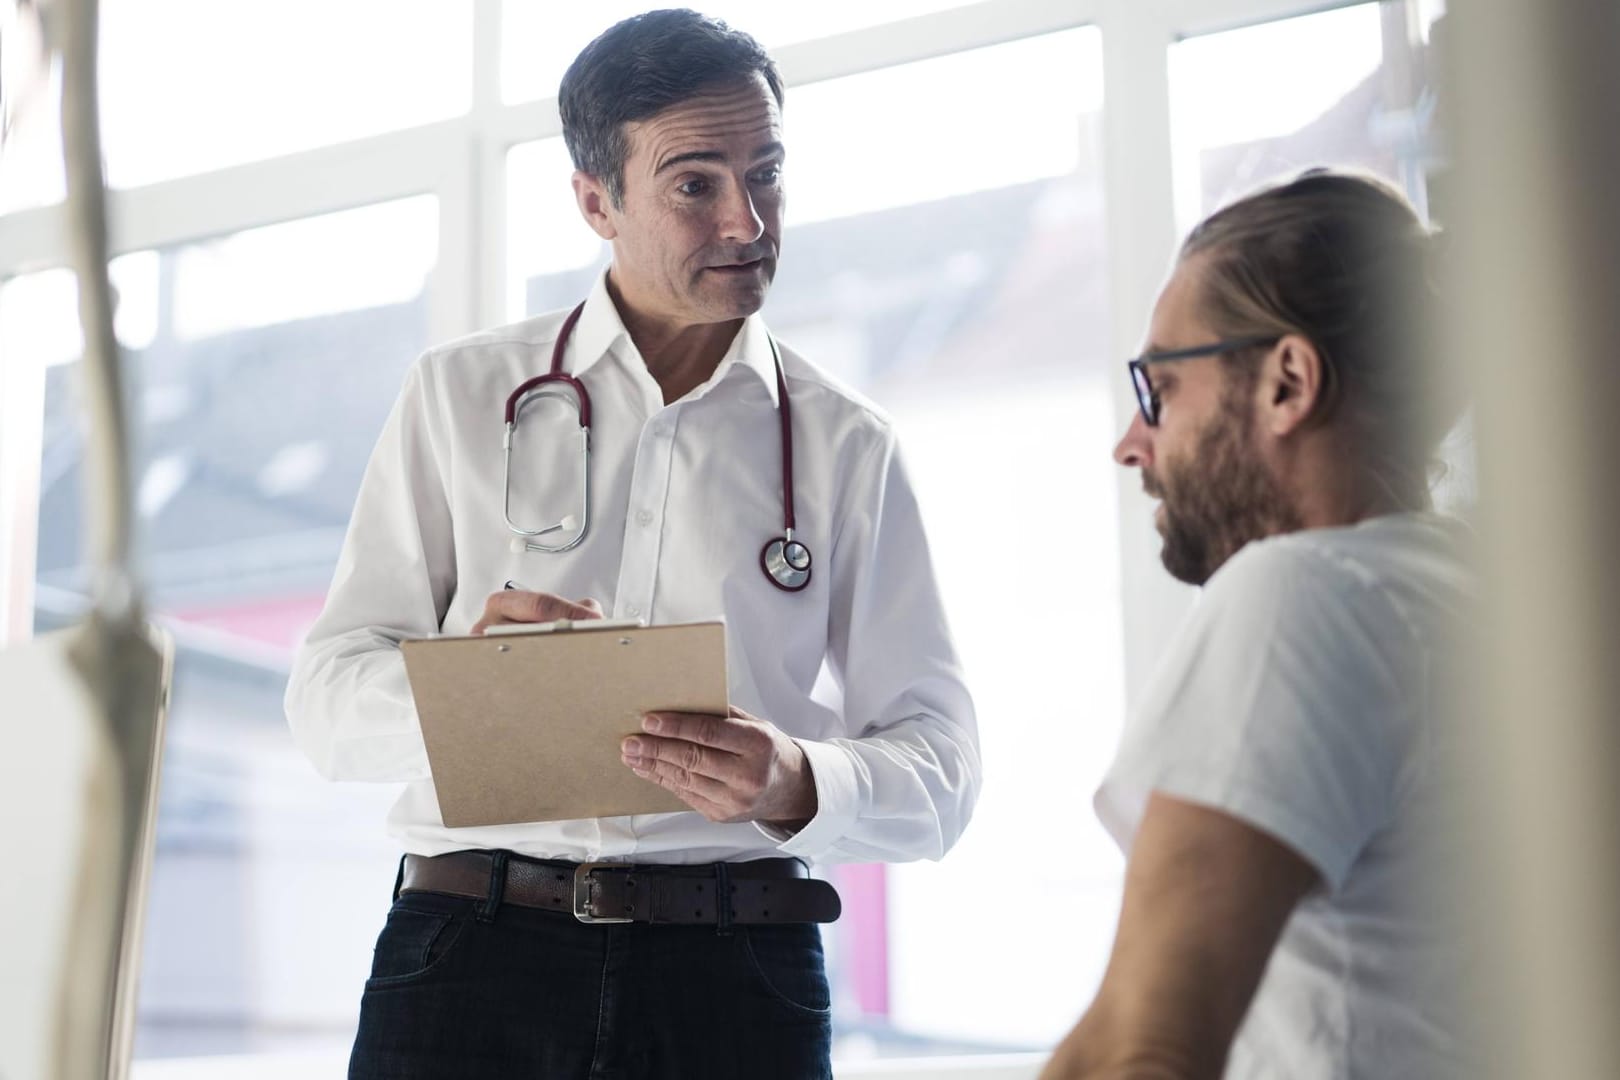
x: 84, y: 706
x: 1536, y: 130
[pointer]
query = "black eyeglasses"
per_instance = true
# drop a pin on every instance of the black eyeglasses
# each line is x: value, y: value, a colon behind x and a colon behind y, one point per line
x: 1148, y: 399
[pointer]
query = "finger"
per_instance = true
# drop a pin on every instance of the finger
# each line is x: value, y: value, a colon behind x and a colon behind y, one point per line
x: 591, y: 603
x: 520, y: 606
x: 721, y: 732
x: 690, y: 756
x: 684, y: 781
x: 710, y: 809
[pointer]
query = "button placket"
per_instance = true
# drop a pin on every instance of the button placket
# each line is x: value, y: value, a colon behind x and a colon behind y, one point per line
x: 649, y: 486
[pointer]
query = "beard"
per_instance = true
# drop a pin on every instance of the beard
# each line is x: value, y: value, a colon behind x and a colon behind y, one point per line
x: 1220, y: 499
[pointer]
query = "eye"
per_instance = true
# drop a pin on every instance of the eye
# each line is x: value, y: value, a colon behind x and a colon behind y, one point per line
x: 771, y: 174
x: 1159, y: 388
x: 692, y: 188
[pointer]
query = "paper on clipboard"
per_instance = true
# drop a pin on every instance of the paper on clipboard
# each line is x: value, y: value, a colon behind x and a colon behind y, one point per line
x: 526, y: 726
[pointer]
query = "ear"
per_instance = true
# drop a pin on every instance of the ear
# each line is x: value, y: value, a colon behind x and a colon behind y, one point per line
x: 1290, y: 384
x: 595, y: 205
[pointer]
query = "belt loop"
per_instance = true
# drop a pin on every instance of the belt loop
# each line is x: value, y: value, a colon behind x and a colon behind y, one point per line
x: 399, y: 878
x: 488, y: 906
x: 722, y: 899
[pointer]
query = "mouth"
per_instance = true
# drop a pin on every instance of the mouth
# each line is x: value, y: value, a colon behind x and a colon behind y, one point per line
x: 738, y: 269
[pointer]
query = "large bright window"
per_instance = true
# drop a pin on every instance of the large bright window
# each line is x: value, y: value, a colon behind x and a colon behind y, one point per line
x: 945, y: 255
x: 193, y: 85
x: 951, y: 251
x: 1342, y: 87
x: 189, y: 86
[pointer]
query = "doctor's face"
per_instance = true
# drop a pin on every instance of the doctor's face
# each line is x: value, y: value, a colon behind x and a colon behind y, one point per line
x: 696, y: 237
x: 1203, y: 461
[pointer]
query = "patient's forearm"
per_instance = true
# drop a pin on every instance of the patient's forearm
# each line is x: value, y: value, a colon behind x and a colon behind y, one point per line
x: 1131, y: 1035
x: 1205, y: 899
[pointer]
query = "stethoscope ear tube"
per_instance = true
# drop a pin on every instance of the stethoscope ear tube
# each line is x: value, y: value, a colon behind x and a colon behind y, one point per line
x: 785, y: 560
x: 524, y: 539
x: 555, y: 379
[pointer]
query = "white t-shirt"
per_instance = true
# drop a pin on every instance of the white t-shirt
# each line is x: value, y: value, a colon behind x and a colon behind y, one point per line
x: 1298, y: 698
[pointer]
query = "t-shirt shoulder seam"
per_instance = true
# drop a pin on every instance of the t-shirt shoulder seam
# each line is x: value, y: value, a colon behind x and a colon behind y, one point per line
x: 1304, y: 552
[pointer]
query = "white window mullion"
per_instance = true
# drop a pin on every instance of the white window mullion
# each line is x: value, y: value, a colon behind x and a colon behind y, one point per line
x: 309, y: 184
x: 486, y: 277
x: 1139, y: 195
x: 925, y: 37
x: 33, y: 240
x: 454, y: 286
x: 1190, y: 17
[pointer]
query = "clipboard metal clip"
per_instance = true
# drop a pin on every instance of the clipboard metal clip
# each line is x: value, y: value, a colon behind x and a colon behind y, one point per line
x: 582, y: 892
x: 563, y: 626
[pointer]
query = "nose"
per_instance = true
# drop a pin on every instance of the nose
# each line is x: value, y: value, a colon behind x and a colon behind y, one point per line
x: 1135, y: 448
x: 739, y: 219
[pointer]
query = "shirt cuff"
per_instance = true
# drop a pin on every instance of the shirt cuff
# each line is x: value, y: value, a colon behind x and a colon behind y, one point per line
x: 832, y: 767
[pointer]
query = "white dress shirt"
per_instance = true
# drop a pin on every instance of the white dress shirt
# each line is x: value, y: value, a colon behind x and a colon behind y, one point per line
x: 683, y: 498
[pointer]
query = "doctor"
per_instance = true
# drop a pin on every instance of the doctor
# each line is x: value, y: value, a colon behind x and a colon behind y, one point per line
x: 726, y: 473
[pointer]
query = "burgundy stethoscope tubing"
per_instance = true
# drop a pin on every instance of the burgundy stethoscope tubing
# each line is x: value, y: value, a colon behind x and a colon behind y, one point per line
x: 785, y: 560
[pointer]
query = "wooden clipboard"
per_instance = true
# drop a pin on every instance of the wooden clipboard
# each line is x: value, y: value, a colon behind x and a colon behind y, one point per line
x: 526, y: 726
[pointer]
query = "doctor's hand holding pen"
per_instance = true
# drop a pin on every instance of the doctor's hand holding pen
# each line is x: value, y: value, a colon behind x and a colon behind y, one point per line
x: 515, y: 604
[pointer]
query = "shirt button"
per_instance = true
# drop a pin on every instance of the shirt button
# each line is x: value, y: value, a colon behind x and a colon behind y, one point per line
x: 644, y: 517
x: 633, y: 610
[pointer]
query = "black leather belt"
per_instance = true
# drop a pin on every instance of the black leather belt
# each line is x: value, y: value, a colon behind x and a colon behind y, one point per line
x: 717, y: 894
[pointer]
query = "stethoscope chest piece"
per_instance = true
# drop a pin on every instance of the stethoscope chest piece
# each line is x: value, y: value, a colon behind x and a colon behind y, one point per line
x: 786, y: 563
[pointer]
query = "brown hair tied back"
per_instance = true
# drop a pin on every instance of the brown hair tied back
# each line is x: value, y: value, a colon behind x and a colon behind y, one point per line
x: 1342, y: 259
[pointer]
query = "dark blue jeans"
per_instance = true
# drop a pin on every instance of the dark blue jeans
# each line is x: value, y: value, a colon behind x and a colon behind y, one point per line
x: 460, y: 993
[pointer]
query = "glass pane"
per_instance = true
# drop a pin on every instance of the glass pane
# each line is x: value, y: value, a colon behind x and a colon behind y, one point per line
x: 944, y: 255
x: 548, y: 245
x: 194, y: 85
x: 539, y: 40
x: 39, y: 313
x: 1360, y: 92
x: 260, y: 367
x: 39, y: 319
x: 1342, y: 87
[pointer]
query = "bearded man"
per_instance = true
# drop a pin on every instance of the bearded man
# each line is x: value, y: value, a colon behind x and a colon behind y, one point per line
x: 1278, y: 790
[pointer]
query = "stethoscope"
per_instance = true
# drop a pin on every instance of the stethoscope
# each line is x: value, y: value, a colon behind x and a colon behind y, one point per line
x: 786, y: 561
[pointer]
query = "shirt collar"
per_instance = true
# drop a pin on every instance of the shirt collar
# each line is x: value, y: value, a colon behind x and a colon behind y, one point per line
x: 600, y: 330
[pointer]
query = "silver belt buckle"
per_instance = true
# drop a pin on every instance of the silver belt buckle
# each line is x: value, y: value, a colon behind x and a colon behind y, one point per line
x: 582, y: 892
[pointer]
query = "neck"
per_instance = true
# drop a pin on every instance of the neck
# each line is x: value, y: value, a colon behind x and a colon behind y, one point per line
x: 1332, y: 487
x: 679, y: 356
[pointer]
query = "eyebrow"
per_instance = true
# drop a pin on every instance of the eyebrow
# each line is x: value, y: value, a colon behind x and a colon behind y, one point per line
x: 770, y: 149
